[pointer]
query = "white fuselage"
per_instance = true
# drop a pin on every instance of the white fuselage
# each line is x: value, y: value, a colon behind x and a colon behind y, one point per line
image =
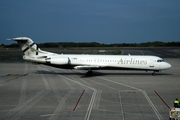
x: 112, y: 61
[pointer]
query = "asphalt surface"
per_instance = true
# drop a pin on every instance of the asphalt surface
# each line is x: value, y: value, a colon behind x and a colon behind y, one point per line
x: 38, y: 92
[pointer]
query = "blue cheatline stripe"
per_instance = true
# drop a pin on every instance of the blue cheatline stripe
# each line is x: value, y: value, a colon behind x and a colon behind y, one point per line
x: 28, y: 47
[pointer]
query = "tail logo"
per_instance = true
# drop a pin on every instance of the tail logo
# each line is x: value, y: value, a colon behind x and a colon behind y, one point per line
x: 32, y: 49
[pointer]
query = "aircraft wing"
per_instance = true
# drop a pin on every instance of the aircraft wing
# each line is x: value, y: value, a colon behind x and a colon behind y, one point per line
x: 87, y: 67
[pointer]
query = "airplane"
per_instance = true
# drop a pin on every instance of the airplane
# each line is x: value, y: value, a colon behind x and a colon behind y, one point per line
x: 90, y: 62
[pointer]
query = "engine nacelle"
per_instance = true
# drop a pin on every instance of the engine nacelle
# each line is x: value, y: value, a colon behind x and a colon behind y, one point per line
x: 58, y: 60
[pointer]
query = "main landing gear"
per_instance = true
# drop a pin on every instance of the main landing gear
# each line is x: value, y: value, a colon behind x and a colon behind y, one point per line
x: 153, y: 73
x: 89, y: 73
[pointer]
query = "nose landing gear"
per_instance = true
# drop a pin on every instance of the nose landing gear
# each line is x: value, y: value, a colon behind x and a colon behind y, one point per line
x: 153, y: 73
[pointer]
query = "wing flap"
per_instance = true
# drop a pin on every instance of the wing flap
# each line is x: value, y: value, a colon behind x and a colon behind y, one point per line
x: 87, y: 67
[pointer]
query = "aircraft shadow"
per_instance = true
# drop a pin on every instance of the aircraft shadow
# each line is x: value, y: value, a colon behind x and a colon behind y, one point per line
x: 123, y: 74
x: 96, y: 73
x: 56, y: 73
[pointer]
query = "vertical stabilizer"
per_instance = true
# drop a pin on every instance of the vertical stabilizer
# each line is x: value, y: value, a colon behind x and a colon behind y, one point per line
x: 30, y: 49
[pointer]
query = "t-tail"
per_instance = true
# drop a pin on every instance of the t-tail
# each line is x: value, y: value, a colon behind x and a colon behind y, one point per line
x: 31, y: 50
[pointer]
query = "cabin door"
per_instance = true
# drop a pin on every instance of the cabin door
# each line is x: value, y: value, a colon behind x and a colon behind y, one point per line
x: 151, y: 63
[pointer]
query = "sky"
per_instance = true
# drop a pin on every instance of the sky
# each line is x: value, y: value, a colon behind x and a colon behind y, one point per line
x: 104, y: 21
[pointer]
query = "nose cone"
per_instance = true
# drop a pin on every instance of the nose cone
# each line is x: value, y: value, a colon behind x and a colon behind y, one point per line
x: 167, y: 66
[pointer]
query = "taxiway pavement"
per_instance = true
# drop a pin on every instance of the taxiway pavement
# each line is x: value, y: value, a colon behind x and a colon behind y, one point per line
x: 38, y: 92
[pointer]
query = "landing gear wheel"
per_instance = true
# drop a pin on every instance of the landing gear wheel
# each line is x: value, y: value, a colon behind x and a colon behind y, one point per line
x: 89, y: 73
x: 153, y: 73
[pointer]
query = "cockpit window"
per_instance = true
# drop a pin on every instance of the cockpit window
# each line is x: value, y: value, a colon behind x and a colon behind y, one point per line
x: 160, y: 60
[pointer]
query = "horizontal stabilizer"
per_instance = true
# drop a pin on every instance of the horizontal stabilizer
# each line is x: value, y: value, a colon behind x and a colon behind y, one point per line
x: 21, y: 39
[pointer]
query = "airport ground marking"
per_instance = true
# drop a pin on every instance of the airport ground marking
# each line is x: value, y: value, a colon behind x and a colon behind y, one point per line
x: 23, y: 86
x: 62, y: 101
x: 95, y: 91
x: 69, y: 85
x: 60, y: 107
x: 78, y: 100
x: 141, y: 52
x: 98, y: 97
x: 122, y: 110
x: 144, y: 93
x: 105, y: 85
x: 27, y: 105
x: 122, y: 52
x: 48, y: 115
x: 88, y: 113
x: 152, y: 105
x: 162, y: 100
x: 120, y: 83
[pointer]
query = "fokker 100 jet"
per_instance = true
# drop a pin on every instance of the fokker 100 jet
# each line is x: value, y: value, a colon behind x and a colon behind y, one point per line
x: 90, y: 62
